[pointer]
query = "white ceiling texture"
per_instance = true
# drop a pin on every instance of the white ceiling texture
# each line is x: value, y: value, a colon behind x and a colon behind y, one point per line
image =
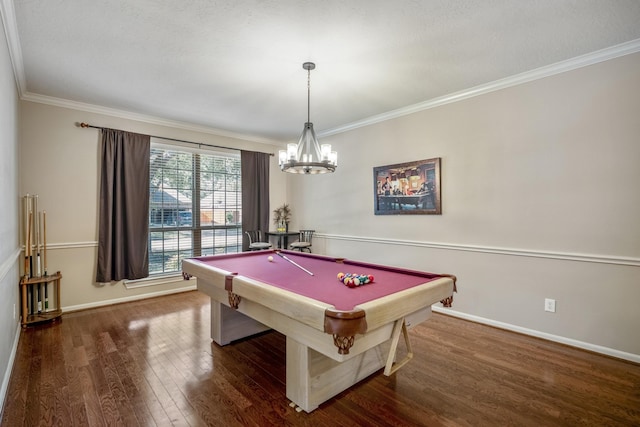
x: 235, y: 66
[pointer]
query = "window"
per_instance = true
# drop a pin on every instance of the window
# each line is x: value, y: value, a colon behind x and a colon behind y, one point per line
x: 195, y: 205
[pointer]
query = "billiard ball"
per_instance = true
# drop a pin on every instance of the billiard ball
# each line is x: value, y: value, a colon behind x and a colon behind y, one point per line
x: 270, y: 258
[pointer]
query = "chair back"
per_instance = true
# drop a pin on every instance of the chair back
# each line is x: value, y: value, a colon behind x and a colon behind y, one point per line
x: 254, y: 236
x: 256, y: 240
x: 306, y: 236
x: 304, y: 241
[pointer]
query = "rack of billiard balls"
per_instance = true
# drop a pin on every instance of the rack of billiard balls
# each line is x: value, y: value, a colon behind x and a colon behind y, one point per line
x: 353, y: 280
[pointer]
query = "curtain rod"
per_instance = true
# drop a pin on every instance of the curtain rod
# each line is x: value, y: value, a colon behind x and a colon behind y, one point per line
x: 200, y: 144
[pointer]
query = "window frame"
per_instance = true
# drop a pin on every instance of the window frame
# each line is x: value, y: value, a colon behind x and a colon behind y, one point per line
x: 232, y: 231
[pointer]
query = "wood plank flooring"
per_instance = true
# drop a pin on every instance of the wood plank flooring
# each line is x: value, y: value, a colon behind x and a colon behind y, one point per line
x: 152, y: 363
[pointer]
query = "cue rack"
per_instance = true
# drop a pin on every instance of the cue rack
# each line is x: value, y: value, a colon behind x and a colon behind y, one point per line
x: 36, y: 284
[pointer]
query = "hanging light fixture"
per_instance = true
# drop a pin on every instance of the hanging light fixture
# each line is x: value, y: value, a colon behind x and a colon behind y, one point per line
x: 308, y: 156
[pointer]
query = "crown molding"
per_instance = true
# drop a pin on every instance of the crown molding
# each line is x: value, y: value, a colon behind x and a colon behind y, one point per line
x: 113, y: 112
x: 15, y: 52
x: 602, y: 55
x: 13, y: 42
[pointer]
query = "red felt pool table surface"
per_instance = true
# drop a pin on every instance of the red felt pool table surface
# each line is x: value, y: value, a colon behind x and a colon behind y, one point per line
x: 323, y: 285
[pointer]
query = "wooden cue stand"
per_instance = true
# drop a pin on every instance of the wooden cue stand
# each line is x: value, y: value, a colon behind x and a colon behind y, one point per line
x: 45, y: 315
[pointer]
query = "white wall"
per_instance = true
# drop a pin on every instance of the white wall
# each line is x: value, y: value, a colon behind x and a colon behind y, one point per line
x: 9, y: 228
x: 540, y: 200
x: 60, y: 163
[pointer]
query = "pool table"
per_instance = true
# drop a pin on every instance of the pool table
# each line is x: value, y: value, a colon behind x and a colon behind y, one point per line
x: 336, y: 335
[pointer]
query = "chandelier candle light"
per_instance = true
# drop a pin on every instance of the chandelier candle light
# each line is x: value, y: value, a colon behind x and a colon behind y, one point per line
x: 308, y: 156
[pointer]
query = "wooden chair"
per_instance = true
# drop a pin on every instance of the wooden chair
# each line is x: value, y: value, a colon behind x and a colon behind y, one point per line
x: 256, y: 240
x: 304, y: 242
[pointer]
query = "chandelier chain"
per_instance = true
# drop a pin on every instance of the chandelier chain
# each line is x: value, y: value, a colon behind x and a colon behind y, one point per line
x: 308, y: 95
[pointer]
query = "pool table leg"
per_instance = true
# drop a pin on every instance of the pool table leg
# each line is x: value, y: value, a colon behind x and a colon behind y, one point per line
x: 390, y: 367
x: 229, y: 325
x: 313, y: 378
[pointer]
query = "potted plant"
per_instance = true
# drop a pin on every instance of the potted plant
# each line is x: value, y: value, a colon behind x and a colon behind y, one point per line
x: 281, y: 217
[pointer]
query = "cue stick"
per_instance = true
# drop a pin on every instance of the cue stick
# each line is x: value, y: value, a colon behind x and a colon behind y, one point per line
x: 26, y: 252
x: 44, y: 237
x: 294, y: 263
x: 44, y: 259
x: 26, y: 247
x: 36, y: 238
x: 27, y: 261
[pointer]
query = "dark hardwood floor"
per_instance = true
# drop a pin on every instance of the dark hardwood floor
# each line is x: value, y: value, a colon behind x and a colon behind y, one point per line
x: 152, y: 363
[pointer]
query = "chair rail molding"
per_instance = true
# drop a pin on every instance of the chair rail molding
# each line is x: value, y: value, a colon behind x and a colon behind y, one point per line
x: 8, y: 263
x: 565, y: 256
x: 69, y: 245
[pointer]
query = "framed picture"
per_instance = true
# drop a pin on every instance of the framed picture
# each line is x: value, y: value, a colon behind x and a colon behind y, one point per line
x: 408, y: 188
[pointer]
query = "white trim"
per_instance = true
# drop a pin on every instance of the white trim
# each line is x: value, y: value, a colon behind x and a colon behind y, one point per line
x: 127, y: 299
x: 13, y: 41
x: 9, y: 263
x: 72, y: 245
x: 144, y: 118
x: 154, y: 281
x: 7, y: 372
x: 565, y: 256
x: 69, y: 245
x: 549, y: 337
x: 606, y: 54
x: 532, y: 253
x: 15, y: 52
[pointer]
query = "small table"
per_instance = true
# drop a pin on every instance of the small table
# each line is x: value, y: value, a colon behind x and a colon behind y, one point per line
x: 283, y: 237
x: 336, y: 335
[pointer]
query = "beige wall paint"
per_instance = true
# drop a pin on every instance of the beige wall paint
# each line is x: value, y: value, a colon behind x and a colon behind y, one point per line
x: 539, y: 200
x: 60, y: 163
x: 533, y: 177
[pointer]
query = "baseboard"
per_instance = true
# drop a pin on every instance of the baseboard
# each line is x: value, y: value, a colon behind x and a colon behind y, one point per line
x: 127, y: 299
x: 7, y: 373
x: 549, y: 337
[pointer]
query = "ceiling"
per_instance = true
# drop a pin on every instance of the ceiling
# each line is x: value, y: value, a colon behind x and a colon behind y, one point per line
x: 235, y: 66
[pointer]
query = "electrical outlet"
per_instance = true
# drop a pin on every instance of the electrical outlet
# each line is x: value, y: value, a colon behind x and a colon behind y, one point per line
x: 550, y: 305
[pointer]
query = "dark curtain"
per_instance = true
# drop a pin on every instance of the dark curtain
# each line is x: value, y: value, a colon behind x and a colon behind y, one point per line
x: 124, y: 207
x: 255, y: 193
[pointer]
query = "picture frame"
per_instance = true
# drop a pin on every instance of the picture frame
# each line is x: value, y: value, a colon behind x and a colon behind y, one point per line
x: 411, y: 188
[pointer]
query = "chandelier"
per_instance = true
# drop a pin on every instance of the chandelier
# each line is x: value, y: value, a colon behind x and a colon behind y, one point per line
x: 308, y: 156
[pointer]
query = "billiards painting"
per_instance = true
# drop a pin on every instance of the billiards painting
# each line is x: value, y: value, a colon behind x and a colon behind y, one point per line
x: 411, y: 188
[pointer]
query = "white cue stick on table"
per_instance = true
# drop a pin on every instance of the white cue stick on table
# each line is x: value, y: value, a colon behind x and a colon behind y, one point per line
x: 294, y: 263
